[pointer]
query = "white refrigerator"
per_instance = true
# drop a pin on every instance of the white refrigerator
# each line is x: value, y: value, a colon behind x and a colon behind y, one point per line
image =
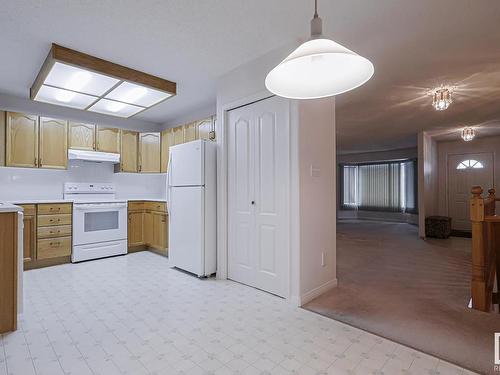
x: 192, y: 205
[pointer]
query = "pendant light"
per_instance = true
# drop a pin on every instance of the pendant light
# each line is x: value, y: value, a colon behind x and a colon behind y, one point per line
x: 318, y: 68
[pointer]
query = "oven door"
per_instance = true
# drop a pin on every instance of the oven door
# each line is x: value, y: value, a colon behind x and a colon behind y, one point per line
x: 99, y: 222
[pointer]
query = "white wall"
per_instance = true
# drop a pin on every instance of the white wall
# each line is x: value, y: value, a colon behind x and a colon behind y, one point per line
x: 312, y: 205
x: 32, y: 183
x: 316, y: 150
x: 427, y: 179
x: 484, y: 144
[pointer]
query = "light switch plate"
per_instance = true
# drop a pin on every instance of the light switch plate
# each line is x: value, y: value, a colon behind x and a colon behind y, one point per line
x: 315, y: 172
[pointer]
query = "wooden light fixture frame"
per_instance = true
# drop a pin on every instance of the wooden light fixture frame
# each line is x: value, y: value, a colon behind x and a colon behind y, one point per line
x: 94, y: 64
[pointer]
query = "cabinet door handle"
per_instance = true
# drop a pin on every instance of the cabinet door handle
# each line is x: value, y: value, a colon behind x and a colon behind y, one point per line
x: 55, y: 244
x: 253, y: 202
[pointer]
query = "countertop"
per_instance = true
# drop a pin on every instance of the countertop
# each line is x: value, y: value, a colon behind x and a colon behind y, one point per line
x: 59, y: 200
x: 8, y: 207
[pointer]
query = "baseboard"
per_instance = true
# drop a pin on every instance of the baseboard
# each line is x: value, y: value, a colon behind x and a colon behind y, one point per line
x: 41, y: 263
x: 316, y: 292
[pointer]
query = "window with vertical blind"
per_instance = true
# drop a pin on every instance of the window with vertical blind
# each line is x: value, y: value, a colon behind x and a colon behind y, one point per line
x: 384, y: 186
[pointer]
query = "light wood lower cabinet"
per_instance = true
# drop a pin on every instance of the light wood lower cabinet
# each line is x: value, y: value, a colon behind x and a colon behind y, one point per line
x: 55, y: 231
x: 160, y: 228
x: 29, y: 233
x: 54, y: 223
x: 136, y: 229
x: 8, y: 271
x: 50, y: 220
x: 53, y: 247
x: 148, y: 226
x: 47, y: 234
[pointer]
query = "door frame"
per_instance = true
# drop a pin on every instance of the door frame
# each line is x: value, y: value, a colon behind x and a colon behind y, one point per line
x: 447, y: 175
x: 222, y: 188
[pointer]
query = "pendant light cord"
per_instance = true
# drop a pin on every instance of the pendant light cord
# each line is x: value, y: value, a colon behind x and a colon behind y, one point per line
x: 316, y: 23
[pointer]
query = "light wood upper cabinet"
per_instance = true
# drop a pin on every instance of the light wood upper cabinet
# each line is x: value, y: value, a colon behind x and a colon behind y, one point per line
x: 53, y: 143
x: 129, y: 151
x: 21, y: 140
x: 81, y: 136
x: 149, y: 152
x: 178, y: 135
x: 204, y: 128
x: 2, y: 137
x: 167, y: 140
x: 190, y: 132
x: 108, y: 139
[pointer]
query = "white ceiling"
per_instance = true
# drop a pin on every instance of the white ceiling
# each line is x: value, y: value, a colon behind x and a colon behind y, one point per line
x: 414, y: 45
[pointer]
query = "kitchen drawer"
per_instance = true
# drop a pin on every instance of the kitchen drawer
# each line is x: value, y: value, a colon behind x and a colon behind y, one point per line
x: 135, y: 205
x: 29, y: 209
x: 53, y: 247
x: 55, y: 231
x: 156, y: 206
x: 51, y: 220
x: 54, y: 208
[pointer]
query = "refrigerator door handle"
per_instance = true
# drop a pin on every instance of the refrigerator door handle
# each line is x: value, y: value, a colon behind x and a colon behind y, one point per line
x: 169, y: 173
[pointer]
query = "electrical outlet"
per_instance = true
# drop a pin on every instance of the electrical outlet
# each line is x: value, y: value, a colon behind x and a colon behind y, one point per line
x: 323, y: 259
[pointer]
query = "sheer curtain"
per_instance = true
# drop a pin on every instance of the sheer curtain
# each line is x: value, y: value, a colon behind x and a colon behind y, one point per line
x: 387, y: 186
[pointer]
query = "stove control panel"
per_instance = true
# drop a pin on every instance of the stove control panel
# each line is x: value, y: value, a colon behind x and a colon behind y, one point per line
x: 89, y: 188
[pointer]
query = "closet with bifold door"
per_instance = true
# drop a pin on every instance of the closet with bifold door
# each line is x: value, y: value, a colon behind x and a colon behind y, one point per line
x: 258, y: 194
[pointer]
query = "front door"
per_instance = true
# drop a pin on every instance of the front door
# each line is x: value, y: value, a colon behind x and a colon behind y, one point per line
x: 258, y: 183
x: 464, y: 172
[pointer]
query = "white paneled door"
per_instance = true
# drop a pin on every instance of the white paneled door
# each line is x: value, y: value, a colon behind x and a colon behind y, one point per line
x: 258, y: 194
x: 464, y: 172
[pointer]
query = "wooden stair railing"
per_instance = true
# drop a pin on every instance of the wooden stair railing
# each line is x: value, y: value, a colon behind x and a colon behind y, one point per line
x: 485, y: 249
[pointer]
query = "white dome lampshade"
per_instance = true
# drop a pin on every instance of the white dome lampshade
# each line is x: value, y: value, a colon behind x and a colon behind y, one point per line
x: 318, y: 68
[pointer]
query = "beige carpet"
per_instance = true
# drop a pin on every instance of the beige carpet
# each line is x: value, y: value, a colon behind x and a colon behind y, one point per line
x: 414, y: 292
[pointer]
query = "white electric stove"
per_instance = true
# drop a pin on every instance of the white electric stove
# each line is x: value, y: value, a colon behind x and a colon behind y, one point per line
x: 99, y: 220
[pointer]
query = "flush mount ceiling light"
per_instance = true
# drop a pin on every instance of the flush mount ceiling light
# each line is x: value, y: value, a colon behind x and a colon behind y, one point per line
x: 468, y: 134
x: 77, y: 80
x: 441, y: 97
x: 318, y: 68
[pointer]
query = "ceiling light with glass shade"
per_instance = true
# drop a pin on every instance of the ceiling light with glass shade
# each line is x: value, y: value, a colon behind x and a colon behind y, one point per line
x: 318, y: 68
x: 441, y: 97
x: 73, y: 79
x: 468, y: 134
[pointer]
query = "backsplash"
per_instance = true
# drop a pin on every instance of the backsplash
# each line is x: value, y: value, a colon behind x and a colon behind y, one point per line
x: 33, y: 183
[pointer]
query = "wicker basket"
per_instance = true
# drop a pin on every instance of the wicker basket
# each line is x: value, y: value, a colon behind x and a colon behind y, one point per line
x: 438, y: 226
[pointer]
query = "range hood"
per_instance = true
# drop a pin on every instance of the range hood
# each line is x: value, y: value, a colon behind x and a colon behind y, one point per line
x: 94, y: 156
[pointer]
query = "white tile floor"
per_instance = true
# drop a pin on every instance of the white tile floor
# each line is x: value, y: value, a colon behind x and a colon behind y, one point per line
x: 134, y: 315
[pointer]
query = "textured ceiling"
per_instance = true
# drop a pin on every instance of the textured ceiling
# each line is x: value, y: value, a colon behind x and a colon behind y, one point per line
x: 414, y: 45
